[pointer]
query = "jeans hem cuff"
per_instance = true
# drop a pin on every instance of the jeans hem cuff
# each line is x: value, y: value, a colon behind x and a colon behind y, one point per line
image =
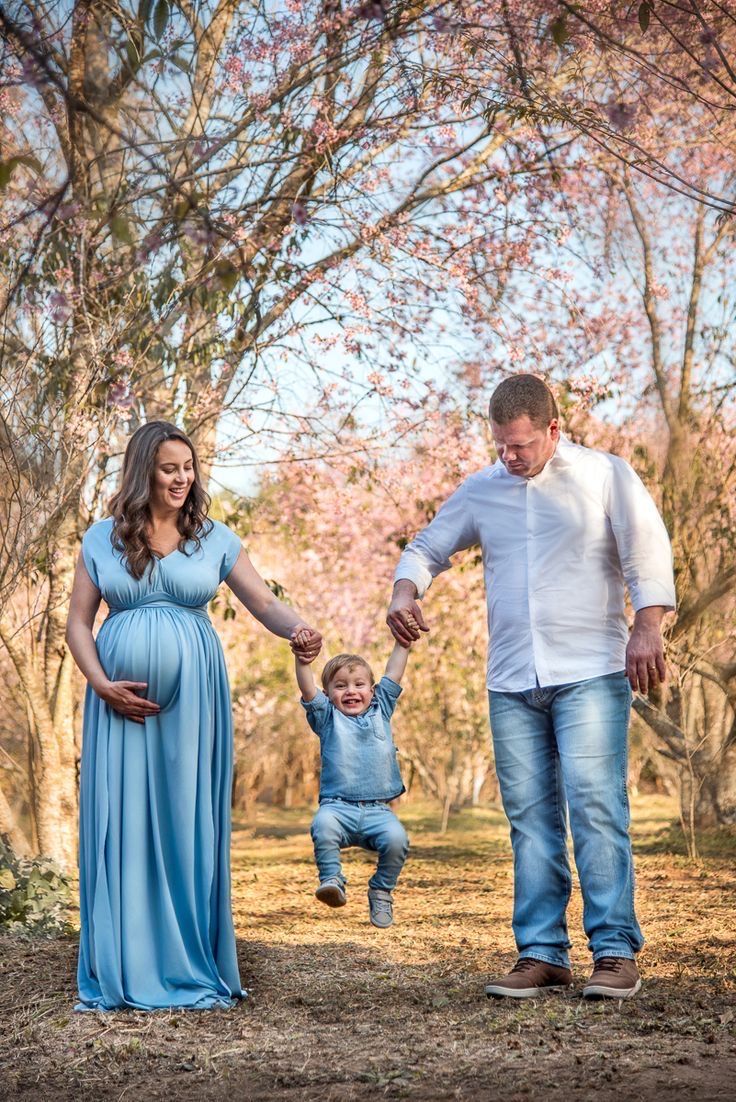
x: 529, y: 953
x: 617, y: 954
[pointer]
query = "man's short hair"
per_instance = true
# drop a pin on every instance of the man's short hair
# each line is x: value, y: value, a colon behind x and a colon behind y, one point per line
x: 523, y: 394
x: 341, y: 662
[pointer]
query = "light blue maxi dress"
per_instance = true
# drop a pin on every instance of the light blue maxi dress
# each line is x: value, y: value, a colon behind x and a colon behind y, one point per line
x: 154, y: 852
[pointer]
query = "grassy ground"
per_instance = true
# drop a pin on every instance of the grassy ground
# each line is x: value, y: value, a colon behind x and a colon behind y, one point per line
x: 339, y: 1010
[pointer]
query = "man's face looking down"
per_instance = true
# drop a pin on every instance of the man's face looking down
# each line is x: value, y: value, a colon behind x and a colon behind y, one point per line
x: 523, y: 447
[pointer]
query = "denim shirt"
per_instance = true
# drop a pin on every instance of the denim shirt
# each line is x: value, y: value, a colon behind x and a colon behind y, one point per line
x: 358, y: 752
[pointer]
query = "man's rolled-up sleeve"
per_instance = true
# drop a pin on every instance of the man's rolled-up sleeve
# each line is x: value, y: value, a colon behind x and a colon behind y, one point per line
x: 643, y: 543
x: 428, y: 554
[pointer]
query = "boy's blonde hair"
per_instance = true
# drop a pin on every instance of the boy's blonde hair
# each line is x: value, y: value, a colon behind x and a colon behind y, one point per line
x: 340, y: 662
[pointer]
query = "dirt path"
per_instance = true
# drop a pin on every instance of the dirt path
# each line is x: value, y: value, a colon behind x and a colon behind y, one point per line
x: 338, y: 1010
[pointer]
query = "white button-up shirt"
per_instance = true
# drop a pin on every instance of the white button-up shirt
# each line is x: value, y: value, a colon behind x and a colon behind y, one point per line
x: 558, y: 549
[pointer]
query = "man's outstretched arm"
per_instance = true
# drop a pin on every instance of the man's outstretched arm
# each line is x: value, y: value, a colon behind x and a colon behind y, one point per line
x: 452, y: 530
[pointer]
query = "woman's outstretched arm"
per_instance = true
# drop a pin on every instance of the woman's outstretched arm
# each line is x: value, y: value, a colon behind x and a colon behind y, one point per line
x: 251, y: 590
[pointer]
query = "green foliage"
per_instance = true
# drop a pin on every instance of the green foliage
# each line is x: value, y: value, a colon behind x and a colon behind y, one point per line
x: 227, y: 274
x: 278, y: 590
x: 121, y: 229
x: 160, y: 18
x: 34, y: 894
x: 559, y: 31
x: 7, y: 168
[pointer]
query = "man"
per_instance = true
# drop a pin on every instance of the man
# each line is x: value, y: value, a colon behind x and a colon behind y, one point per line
x: 563, y: 529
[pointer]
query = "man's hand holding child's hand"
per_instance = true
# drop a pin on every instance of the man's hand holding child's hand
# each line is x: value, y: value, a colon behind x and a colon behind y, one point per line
x: 405, y: 618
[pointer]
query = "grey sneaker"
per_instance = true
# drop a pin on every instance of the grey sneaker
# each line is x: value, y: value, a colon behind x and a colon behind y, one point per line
x: 332, y: 892
x: 381, y: 907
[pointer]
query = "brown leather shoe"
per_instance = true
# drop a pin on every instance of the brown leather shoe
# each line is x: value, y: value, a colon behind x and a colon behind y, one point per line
x: 613, y: 978
x: 530, y: 978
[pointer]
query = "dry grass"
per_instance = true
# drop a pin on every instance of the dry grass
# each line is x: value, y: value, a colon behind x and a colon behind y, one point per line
x: 338, y: 1010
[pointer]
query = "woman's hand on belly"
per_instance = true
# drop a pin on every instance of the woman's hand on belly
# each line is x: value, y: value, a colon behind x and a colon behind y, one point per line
x: 126, y: 698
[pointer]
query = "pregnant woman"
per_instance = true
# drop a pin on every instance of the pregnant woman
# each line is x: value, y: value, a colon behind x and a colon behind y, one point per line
x: 154, y: 865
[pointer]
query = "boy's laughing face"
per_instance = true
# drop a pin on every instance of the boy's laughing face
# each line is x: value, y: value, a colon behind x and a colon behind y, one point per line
x: 350, y: 690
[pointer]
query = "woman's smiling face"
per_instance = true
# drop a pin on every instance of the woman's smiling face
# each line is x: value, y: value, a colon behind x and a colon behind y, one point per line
x: 173, y: 475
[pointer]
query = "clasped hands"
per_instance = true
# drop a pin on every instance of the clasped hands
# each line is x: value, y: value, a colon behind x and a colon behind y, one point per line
x: 305, y: 642
x: 405, y: 619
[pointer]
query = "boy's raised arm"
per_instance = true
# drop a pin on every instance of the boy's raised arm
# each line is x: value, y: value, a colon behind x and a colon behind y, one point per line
x: 396, y: 664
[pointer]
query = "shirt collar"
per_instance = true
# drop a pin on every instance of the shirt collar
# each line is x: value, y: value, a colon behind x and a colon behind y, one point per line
x: 565, y: 453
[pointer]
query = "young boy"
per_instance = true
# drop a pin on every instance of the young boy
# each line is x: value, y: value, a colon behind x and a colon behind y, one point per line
x: 360, y: 774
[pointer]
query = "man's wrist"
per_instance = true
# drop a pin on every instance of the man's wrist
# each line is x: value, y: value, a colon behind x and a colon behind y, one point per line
x: 405, y: 587
x: 650, y: 617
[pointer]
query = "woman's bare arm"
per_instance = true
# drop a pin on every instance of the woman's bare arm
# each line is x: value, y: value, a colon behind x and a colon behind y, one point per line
x: 284, y: 621
x: 122, y: 696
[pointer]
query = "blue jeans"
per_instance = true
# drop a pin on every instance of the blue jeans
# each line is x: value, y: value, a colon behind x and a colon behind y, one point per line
x: 371, y: 825
x: 565, y: 747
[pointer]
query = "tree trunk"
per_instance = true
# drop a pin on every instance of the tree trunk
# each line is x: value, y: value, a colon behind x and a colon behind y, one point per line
x: 708, y: 790
x: 480, y: 772
x: 698, y: 732
x: 446, y: 812
x: 10, y: 828
x: 54, y: 776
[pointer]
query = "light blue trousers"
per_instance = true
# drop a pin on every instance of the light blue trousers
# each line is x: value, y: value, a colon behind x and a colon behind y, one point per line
x: 371, y: 825
x: 562, y: 749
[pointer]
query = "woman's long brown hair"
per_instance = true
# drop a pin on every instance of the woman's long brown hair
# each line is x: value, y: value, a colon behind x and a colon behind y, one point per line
x: 130, y: 506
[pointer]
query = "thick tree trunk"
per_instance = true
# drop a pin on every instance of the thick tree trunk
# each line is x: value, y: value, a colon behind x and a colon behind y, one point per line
x: 62, y: 700
x: 12, y: 830
x: 708, y: 794
x: 54, y: 781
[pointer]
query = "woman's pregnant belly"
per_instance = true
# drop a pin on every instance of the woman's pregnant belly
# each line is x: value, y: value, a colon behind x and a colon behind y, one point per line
x: 156, y: 646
